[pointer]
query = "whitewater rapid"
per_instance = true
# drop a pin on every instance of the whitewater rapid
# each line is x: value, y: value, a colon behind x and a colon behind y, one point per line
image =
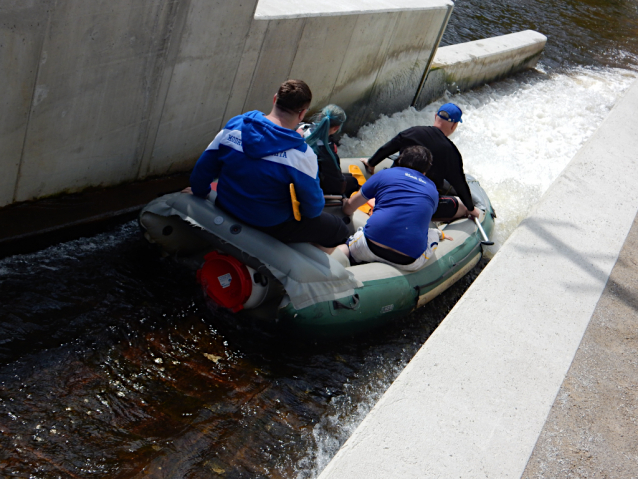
x: 517, y: 135
x: 516, y: 138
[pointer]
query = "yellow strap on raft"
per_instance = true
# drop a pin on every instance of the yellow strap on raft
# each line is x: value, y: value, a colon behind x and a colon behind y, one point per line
x: 295, y: 203
x: 355, y: 171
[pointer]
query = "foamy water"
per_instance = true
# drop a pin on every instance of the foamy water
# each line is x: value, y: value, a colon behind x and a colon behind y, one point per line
x: 517, y: 135
x: 516, y: 138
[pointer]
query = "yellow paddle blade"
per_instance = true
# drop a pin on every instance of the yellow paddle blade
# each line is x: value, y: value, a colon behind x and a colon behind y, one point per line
x: 295, y: 203
x: 355, y: 171
x: 366, y: 208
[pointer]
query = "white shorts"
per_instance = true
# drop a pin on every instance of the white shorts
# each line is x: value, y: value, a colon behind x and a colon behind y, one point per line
x: 361, y: 253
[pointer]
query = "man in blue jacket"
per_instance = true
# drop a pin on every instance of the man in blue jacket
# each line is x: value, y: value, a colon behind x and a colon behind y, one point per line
x: 256, y: 157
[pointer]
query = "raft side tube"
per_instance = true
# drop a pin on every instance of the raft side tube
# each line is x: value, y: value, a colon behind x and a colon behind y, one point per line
x: 378, y: 302
x: 307, y: 274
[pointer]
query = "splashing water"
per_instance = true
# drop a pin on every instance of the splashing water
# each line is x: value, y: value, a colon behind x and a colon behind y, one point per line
x: 517, y: 135
x: 516, y: 138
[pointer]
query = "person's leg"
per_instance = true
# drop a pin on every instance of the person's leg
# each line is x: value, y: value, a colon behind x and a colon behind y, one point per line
x: 447, y: 209
x: 461, y: 212
x: 450, y: 208
x: 326, y: 231
x: 352, y: 185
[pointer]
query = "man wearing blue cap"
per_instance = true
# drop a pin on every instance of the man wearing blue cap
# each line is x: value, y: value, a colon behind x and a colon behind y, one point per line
x: 447, y: 161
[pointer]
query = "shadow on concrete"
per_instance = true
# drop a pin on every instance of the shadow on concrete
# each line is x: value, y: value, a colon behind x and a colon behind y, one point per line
x: 578, y: 258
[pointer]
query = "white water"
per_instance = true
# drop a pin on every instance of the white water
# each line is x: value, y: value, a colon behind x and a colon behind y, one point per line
x: 517, y: 135
x: 516, y: 138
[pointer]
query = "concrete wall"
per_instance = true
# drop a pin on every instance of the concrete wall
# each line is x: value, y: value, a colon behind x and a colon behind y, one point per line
x: 368, y: 63
x: 104, y: 92
x: 461, y: 67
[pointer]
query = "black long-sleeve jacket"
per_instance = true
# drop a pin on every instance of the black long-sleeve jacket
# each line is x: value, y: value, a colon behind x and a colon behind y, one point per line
x: 447, y: 162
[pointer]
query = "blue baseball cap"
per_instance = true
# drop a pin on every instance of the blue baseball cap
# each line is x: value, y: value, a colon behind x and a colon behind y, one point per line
x: 450, y: 112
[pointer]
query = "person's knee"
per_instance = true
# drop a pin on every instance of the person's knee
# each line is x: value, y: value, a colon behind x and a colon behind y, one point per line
x: 461, y: 210
x: 333, y: 231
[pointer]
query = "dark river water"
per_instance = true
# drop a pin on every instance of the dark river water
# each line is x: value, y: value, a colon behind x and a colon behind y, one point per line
x: 113, y: 365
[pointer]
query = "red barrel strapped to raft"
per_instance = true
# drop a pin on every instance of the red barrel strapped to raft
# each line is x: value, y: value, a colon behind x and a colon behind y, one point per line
x: 226, y: 281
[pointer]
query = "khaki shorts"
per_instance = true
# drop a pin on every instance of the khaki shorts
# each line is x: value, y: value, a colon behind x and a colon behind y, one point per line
x: 361, y: 253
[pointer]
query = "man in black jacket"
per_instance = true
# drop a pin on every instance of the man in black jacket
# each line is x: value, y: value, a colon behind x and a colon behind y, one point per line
x: 447, y: 161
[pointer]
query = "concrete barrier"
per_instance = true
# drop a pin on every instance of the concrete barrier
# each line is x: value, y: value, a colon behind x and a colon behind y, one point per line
x: 474, y: 399
x: 108, y: 78
x: 109, y: 91
x: 369, y: 60
x: 464, y: 66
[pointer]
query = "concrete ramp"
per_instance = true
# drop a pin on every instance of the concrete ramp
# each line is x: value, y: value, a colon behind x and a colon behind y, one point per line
x: 474, y: 400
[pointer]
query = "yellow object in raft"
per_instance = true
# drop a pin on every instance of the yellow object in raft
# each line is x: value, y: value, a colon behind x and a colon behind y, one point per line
x: 295, y: 203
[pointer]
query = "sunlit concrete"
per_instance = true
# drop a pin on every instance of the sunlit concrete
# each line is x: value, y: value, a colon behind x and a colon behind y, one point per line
x: 466, y: 65
x: 277, y: 9
x: 474, y: 400
x: 369, y: 58
x: 102, y: 93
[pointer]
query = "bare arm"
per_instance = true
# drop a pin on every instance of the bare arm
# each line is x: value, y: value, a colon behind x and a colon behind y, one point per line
x: 351, y: 205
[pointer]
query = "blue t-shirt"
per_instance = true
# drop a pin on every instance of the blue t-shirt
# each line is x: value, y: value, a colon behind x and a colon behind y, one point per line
x: 404, y: 203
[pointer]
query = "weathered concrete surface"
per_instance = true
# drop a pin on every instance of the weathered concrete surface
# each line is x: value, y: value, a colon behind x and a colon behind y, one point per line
x: 109, y: 91
x: 202, y: 74
x: 464, y: 66
x: 93, y: 93
x: 368, y: 58
x: 592, y: 428
x: 277, y: 9
x: 474, y: 400
x: 23, y: 26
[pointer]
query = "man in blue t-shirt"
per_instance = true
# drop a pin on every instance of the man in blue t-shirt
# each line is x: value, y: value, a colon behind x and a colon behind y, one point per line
x: 256, y: 158
x: 398, y: 232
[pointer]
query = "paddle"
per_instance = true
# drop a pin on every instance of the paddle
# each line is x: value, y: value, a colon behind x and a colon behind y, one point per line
x: 486, y: 241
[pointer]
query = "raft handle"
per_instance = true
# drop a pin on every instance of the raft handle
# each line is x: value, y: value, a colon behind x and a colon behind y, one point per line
x: 260, y: 279
x: 339, y: 305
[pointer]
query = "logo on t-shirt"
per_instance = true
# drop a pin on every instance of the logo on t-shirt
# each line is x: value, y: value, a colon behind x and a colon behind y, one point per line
x: 416, y: 178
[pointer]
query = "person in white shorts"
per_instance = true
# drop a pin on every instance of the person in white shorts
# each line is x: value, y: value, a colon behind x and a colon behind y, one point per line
x: 398, y: 232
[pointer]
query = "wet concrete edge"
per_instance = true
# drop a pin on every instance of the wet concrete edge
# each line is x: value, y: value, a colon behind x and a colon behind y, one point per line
x: 34, y: 225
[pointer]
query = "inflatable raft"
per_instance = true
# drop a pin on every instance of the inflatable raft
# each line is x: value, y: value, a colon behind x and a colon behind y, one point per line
x: 298, y: 286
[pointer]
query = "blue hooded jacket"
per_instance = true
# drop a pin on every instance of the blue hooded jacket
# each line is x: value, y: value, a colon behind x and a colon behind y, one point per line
x: 255, y: 161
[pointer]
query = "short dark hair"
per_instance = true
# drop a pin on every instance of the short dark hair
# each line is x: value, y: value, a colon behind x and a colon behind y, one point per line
x: 416, y: 158
x: 294, y: 96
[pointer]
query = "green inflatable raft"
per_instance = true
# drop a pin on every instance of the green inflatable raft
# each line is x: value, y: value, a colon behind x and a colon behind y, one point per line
x: 298, y: 286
